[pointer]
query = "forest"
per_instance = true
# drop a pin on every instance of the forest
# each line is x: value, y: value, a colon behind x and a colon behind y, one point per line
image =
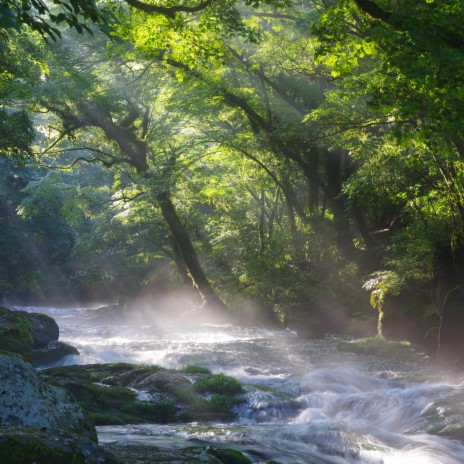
x: 294, y: 162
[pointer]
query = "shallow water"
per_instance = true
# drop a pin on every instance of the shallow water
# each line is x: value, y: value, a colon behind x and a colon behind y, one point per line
x: 305, y: 401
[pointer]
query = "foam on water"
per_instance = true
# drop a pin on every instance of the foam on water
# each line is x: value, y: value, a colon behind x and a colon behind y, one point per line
x: 305, y: 402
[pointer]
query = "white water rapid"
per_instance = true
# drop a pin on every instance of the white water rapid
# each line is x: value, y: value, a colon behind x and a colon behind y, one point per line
x: 306, y: 402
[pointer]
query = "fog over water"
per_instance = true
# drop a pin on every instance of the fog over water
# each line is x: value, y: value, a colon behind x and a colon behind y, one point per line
x: 305, y: 401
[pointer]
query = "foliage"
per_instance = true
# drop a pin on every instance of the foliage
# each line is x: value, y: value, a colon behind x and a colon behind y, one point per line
x: 299, y: 147
x: 380, y: 285
x: 17, y: 134
x: 40, y: 17
x: 218, y: 383
x: 418, y: 48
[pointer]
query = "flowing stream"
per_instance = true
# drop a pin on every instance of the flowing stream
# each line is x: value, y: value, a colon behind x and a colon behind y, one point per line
x: 306, y: 402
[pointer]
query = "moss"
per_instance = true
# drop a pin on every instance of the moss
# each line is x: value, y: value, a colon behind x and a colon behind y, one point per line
x: 119, y: 405
x: 111, y: 405
x: 16, y: 451
x: 109, y: 418
x: 379, y: 347
x: 95, y: 396
x: 162, y: 411
x: 15, y: 332
x: 215, y: 407
x: 212, y: 397
x: 196, y: 370
x: 40, y: 446
x: 190, y: 455
x: 228, y: 456
x: 97, y: 372
x: 222, y: 391
x: 218, y: 383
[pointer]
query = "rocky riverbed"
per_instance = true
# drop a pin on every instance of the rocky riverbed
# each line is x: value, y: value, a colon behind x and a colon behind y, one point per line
x: 49, y: 416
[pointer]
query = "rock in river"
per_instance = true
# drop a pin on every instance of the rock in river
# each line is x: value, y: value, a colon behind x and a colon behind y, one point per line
x: 42, y: 423
x: 33, y: 335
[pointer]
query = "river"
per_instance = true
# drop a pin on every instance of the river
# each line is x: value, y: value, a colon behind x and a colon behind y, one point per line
x: 306, y: 402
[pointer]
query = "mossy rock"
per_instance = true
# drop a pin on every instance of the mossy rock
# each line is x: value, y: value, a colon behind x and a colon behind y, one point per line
x: 53, y: 353
x: 109, y: 404
x: 26, y: 400
x: 106, y: 393
x: 44, y: 329
x: 15, y: 332
x: 30, y: 445
x: 229, y: 456
x: 379, y: 347
x: 189, y: 455
x: 218, y: 383
x: 445, y: 416
x: 21, y: 332
x: 194, y: 369
x: 94, y: 372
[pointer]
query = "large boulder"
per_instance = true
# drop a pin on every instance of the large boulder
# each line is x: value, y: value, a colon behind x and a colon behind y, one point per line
x: 27, y: 401
x: 42, y: 423
x: 15, y: 332
x: 25, y: 445
x: 143, y: 379
x: 146, y: 453
x: 124, y: 393
x: 44, y: 329
x: 32, y: 335
x: 52, y: 353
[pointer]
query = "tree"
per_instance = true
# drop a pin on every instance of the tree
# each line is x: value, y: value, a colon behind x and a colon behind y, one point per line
x: 416, y: 48
x: 129, y: 140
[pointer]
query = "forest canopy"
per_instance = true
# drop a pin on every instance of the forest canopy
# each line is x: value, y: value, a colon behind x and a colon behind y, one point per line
x: 301, y: 158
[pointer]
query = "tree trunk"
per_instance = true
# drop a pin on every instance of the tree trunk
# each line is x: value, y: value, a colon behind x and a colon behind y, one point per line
x: 358, y: 217
x: 333, y: 168
x: 313, y: 180
x: 180, y: 264
x: 296, y: 236
x: 188, y: 253
x: 262, y: 223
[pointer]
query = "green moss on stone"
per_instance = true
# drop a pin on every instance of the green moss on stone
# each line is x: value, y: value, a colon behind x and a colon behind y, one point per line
x: 15, y: 332
x: 196, y: 370
x: 219, y: 383
x: 97, y: 372
x: 39, y: 446
x: 211, y: 397
x: 228, y: 456
x: 16, y: 451
x: 108, y: 404
x: 220, y: 397
x: 146, y: 453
